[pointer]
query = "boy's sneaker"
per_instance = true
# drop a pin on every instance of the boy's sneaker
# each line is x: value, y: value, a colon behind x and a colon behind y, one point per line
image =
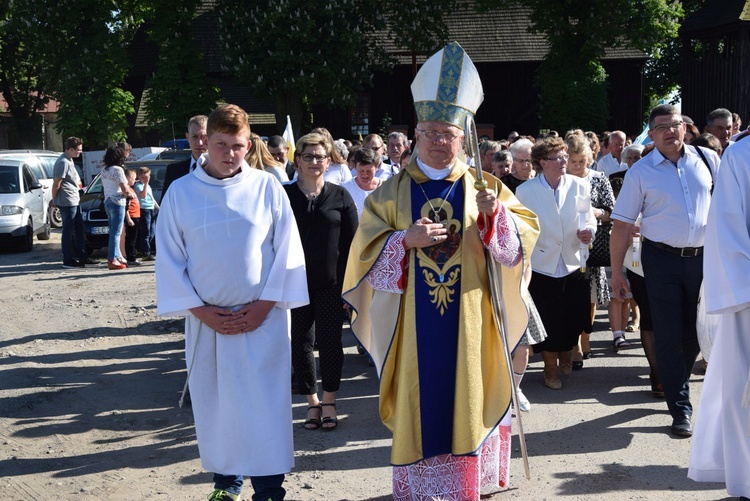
x: 149, y: 257
x: 89, y: 260
x: 222, y: 495
x: 72, y: 263
x: 134, y: 263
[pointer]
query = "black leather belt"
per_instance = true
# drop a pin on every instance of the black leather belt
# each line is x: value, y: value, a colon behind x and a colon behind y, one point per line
x: 681, y: 251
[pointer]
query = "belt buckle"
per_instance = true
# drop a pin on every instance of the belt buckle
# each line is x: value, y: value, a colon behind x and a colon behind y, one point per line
x: 691, y: 253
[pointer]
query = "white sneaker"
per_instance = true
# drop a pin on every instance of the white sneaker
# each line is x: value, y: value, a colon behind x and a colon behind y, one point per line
x: 523, y: 402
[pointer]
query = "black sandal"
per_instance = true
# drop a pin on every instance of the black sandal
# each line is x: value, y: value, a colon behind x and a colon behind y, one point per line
x: 314, y: 423
x: 329, y: 420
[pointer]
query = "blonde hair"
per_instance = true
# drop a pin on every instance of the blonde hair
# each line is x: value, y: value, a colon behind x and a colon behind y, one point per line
x: 578, y: 144
x: 335, y: 155
x: 258, y: 156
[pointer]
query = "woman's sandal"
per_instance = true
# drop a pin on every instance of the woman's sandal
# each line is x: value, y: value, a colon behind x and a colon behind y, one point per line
x: 621, y: 343
x: 328, y: 420
x: 313, y: 423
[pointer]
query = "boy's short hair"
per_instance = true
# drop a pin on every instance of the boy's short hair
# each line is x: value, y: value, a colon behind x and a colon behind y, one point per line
x: 73, y: 143
x: 128, y: 172
x: 144, y: 170
x: 228, y: 119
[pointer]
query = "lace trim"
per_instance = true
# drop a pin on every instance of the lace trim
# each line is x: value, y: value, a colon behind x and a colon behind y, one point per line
x: 504, y: 244
x: 388, y: 269
x: 457, y: 478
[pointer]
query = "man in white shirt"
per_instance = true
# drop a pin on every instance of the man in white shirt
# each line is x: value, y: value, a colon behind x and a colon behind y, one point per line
x: 611, y: 162
x: 671, y: 188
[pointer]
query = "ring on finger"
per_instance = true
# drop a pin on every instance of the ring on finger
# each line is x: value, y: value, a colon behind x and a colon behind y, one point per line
x: 434, y: 239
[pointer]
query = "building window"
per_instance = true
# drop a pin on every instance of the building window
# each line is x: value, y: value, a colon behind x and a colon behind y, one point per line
x: 359, y: 116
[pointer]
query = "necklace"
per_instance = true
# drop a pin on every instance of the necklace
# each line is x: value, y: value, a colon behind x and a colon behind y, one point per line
x: 436, y: 213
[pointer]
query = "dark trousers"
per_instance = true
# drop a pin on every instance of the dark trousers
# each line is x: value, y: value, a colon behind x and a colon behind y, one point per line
x: 318, y: 323
x: 673, y: 284
x: 73, y: 233
x: 146, y: 230
x: 131, y: 237
x: 265, y: 487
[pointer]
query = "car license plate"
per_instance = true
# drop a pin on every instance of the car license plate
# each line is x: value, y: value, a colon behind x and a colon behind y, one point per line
x: 100, y: 230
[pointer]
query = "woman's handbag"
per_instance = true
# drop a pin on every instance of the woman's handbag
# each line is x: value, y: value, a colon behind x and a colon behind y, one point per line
x: 599, y: 252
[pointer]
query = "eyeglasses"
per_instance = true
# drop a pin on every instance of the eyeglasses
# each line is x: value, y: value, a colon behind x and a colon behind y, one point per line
x: 437, y: 136
x: 558, y: 159
x: 522, y: 160
x: 309, y: 157
x: 669, y: 126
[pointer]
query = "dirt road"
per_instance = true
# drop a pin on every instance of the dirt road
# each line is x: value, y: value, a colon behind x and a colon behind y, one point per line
x: 90, y: 378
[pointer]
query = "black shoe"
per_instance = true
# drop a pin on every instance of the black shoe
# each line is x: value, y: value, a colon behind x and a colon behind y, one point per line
x: 72, y: 263
x: 134, y: 263
x: 577, y: 366
x: 89, y: 260
x: 682, y: 427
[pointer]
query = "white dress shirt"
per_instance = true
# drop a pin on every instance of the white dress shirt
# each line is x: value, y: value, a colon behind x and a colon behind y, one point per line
x: 673, y: 199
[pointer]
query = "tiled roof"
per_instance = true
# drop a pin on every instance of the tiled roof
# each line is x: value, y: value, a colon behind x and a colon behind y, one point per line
x: 501, y: 35
x: 716, y: 13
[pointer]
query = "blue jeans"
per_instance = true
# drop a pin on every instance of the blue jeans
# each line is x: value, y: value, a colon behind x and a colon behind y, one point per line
x: 146, y: 230
x: 267, y: 488
x: 673, y: 284
x: 116, y: 216
x: 72, y: 228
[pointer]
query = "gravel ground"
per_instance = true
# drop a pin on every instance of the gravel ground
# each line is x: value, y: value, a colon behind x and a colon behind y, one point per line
x: 90, y: 380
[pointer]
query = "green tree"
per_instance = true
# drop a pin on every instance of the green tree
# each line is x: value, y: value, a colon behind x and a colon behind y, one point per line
x: 80, y: 49
x: 578, y: 33
x: 296, y: 54
x: 179, y: 88
x: 22, y: 87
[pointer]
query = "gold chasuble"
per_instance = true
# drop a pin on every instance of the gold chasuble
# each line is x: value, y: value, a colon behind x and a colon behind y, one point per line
x: 442, y: 282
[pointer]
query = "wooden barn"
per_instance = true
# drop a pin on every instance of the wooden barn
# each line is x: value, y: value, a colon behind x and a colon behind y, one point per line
x: 716, y: 59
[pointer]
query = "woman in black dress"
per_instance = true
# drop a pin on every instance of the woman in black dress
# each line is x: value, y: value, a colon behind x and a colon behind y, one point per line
x: 327, y: 219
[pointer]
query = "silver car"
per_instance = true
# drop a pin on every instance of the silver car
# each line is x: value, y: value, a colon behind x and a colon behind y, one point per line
x: 42, y: 163
x: 24, y: 210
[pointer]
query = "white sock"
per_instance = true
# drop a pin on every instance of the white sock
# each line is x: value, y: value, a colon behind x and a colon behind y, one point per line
x: 617, y: 334
x: 517, y: 379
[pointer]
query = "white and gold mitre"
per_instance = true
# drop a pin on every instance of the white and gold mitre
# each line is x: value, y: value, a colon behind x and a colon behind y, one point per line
x: 447, y: 87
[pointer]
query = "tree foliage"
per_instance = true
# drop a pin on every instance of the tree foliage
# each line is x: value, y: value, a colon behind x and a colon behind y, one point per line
x: 79, y: 46
x: 293, y: 54
x: 179, y: 89
x: 22, y: 86
x: 579, y: 32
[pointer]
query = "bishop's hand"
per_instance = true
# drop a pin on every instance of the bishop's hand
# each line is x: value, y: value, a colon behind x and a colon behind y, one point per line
x: 425, y: 233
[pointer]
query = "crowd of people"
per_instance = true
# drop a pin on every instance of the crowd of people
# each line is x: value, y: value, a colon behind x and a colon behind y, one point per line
x: 267, y: 256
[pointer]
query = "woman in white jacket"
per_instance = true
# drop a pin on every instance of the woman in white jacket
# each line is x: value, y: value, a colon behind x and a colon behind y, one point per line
x: 559, y: 289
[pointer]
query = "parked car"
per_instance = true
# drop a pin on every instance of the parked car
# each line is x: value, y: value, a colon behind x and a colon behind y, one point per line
x: 42, y: 162
x: 95, y: 219
x: 23, y: 205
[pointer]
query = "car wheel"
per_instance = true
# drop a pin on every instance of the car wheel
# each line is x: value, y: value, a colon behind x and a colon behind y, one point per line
x: 55, y: 216
x: 27, y: 242
x: 47, y: 231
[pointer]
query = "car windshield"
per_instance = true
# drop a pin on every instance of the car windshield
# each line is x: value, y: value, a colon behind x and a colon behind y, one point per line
x: 158, y: 171
x: 9, y: 182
